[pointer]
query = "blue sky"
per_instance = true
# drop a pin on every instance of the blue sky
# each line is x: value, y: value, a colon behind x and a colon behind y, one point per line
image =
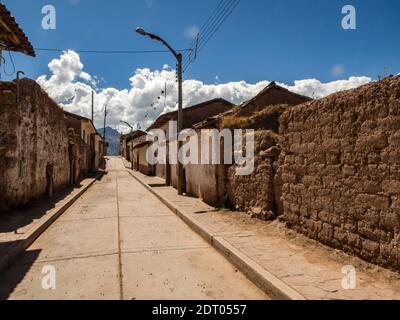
x: 282, y: 40
x: 301, y: 44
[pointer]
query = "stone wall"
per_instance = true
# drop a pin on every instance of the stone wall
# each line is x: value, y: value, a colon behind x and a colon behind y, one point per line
x: 34, y: 144
x: 339, y: 171
x: 255, y: 194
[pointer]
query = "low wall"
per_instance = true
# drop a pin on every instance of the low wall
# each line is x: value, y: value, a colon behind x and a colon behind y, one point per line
x: 340, y: 171
x: 144, y: 166
x: 33, y: 142
x: 160, y: 170
x: 255, y: 193
x: 206, y: 181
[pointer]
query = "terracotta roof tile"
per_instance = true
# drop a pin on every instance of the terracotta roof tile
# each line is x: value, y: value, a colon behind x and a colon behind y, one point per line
x: 11, y: 36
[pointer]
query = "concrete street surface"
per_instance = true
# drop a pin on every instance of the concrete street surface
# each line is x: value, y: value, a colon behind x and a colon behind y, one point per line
x: 118, y: 241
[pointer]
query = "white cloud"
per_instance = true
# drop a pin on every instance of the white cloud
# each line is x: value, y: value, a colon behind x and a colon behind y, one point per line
x: 314, y: 88
x: 70, y: 86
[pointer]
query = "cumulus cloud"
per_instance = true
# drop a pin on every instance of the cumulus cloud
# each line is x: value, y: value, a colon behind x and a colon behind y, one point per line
x: 143, y: 101
x: 314, y: 88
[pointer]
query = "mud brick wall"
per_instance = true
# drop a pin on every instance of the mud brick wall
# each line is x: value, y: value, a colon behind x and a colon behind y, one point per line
x: 255, y: 194
x: 30, y: 141
x: 339, y: 171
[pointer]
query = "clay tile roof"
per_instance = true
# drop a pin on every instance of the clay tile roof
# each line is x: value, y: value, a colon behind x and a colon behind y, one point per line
x: 133, y: 135
x: 272, y: 85
x: 174, y: 114
x: 11, y: 36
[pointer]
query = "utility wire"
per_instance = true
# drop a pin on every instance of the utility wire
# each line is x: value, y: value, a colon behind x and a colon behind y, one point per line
x: 226, y: 8
x: 5, y: 62
x: 204, y: 28
x: 228, y: 11
x: 110, y: 51
x: 223, y: 10
x: 206, y: 25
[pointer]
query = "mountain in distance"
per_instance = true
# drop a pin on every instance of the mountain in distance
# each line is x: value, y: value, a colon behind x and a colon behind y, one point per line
x: 112, y: 137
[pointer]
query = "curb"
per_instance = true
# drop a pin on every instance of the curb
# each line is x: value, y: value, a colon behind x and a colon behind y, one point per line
x: 263, y: 279
x: 44, y: 223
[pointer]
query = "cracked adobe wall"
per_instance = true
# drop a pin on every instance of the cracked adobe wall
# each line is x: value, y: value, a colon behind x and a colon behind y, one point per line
x: 255, y: 193
x: 339, y: 171
x: 29, y: 146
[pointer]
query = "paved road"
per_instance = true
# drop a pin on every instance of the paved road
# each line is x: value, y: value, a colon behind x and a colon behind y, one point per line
x: 120, y: 242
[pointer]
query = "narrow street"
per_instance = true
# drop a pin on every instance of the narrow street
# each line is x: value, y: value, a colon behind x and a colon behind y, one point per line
x: 118, y: 241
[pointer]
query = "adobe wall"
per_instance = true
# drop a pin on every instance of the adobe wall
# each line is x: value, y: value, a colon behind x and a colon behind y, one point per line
x: 29, y: 147
x: 340, y: 171
x: 255, y: 193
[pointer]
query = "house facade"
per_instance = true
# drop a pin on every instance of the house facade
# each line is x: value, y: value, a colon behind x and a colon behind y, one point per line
x: 134, y: 150
x: 217, y: 184
x: 191, y: 116
x: 91, y: 145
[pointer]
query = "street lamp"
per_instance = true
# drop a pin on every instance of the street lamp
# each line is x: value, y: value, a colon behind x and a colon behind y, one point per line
x: 126, y: 123
x: 178, y: 57
x: 131, y: 153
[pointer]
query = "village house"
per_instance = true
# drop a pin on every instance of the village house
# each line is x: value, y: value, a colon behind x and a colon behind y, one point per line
x: 39, y: 151
x: 123, y: 146
x: 218, y: 184
x: 43, y: 148
x: 209, y: 181
x: 133, y: 149
x: 191, y: 115
x: 94, y: 148
x: 100, y: 146
x: 127, y: 141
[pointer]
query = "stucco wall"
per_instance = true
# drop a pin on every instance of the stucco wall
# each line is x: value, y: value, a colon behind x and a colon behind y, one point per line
x: 40, y: 139
x: 205, y: 181
x: 144, y: 167
x: 160, y: 170
x: 340, y: 171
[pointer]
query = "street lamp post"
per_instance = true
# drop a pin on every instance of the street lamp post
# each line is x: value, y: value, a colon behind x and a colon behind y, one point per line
x: 126, y: 123
x: 178, y: 57
x: 131, y: 153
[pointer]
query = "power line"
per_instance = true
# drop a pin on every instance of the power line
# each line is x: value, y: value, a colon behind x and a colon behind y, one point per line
x: 228, y: 11
x: 226, y: 8
x: 223, y: 10
x: 206, y: 25
x: 110, y: 51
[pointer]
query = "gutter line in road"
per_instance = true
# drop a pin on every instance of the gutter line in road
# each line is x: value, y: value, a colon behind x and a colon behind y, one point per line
x: 120, y: 276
